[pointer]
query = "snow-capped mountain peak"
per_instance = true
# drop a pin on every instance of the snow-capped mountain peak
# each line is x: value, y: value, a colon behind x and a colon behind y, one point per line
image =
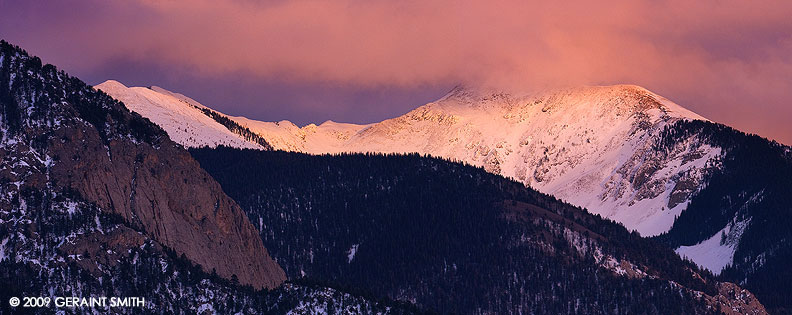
x: 591, y: 146
x: 603, y: 148
x: 622, y: 99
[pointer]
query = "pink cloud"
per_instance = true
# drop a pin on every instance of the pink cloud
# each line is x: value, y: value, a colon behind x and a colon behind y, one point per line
x: 728, y: 60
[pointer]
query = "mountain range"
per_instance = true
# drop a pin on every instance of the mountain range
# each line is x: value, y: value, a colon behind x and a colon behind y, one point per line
x: 588, y: 146
x: 560, y: 201
x: 621, y: 152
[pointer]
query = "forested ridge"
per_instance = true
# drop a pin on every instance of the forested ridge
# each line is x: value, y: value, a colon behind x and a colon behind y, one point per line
x: 447, y: 236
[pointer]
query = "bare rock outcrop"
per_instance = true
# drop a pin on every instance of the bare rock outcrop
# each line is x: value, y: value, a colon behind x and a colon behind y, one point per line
x: 164, y: 192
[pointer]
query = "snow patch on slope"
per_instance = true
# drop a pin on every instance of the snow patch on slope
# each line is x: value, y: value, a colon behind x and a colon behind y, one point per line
x: 717, y: 252
x: 351, y: 253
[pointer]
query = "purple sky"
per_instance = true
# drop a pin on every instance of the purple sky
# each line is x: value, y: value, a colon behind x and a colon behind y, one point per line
x: 365, y: 61
x: 267, y: 99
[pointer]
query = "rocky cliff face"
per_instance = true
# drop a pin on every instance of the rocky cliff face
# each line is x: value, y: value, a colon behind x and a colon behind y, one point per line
x: 60, y: 137
x: 164, y: 192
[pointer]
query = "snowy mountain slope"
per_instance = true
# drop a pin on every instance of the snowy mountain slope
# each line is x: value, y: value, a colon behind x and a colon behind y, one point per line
x: 185, y: 124
x: 593, y: 146
x: 589, y: 146
x: 620, y: 151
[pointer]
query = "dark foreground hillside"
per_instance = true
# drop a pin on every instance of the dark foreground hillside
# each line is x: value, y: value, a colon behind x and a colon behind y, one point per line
x: 454, y: 238
x: 96, y: 201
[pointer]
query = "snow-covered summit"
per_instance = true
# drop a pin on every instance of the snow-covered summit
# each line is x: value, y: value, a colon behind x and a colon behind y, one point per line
x: 623, y: 99
x: 595, y: 147
x: 591, y: 146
